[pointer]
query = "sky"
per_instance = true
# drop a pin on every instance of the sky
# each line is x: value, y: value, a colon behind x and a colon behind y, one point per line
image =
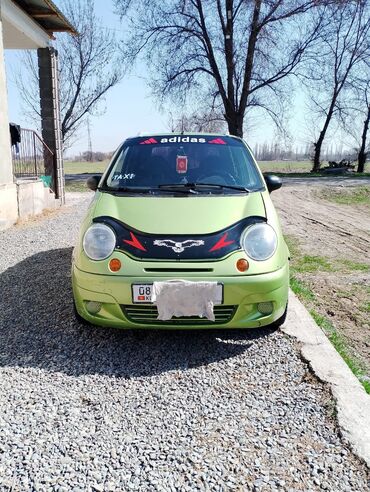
x: 130, y: 108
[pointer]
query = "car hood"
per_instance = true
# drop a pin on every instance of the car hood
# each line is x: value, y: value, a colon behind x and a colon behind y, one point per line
x: 179, y: 215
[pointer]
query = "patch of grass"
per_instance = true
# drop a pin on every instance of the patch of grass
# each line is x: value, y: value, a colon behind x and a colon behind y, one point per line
x: 302, y: 169
x: 355, y: 196
x: 299, y: 169
x: 305, y: 263
x: 301, y: 290
x: 323, y: 322
x: 303, y: 175
x: 76, y: 186
x: 321, y: 175
x: 365, y: 307
x: 311, y: 264
x: 341, y: 347
x: 285, y: 166
x: 297, y: 286
x: 355, y: 266
x: 84, y: 167
x: 301, y: 263
x: 292, y: 244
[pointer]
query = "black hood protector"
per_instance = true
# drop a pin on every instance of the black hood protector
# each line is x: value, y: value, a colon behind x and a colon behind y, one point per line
x: 144, y: 246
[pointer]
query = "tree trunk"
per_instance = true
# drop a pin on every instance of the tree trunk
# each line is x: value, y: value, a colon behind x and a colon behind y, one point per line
x: 317, y: 154
x: 235, y: 124
x: 362, y: 152
x: 249, y: 62
x: 320, y: 140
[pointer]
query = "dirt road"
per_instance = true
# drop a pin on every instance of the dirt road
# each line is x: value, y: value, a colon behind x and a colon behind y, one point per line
x: 339, y: 236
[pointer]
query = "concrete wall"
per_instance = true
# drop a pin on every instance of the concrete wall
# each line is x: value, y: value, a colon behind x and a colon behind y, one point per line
x: 33, y: 198
x: 6, y: 170
x: 23, y: 200
x: 8, y: 205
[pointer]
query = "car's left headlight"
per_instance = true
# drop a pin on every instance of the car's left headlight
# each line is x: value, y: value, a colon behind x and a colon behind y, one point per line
x: 259, y: 241
x: 99, y: 242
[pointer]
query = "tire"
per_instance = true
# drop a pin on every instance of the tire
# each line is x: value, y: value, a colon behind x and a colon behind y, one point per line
x: 79, y: 318
x: 281, y: 320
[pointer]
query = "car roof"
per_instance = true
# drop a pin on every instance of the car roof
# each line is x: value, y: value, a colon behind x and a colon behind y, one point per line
x: 175, y: 134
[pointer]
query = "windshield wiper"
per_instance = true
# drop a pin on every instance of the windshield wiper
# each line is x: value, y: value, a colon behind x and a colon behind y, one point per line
x: 177, y: 187
x: 132, y: 189
x: 125, y: 189
x: 194, y: 186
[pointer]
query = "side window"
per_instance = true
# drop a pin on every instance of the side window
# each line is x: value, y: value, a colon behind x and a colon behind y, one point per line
x: 235, y: 168
x: 115, y: 176
x: 247, y: 167
x: 240, y: 157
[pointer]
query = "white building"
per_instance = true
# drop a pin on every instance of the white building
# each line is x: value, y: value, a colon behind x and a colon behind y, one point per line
x: 30, y: 24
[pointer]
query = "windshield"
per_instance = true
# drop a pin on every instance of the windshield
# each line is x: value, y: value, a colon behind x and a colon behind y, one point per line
x: 184, y: 161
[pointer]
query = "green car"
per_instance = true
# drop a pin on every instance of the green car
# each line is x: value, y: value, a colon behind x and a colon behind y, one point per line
x: 181, y: 233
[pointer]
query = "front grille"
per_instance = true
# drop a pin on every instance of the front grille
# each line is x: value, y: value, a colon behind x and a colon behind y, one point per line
x: 145, y: 314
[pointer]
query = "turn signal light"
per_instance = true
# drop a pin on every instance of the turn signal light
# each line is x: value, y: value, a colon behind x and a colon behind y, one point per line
x: 242, y: 265
x: 115, y: 265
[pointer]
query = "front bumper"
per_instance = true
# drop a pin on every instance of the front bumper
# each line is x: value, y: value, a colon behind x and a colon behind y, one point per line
x: 242, y: 293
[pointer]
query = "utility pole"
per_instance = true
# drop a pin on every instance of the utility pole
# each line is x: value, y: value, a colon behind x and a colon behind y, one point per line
x: 89, y: 150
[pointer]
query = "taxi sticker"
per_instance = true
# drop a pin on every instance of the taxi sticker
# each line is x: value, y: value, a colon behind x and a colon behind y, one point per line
x: 117, y: 177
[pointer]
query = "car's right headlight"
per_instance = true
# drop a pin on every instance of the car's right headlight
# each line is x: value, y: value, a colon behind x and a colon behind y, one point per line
x: 99, y: 242
x: 259, y: 241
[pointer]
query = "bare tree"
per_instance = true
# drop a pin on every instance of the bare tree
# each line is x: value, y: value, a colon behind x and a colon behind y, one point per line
x: 344, y: 45
x: 364, y: 146
x: 236, y: 51
x: 360, y: 110
x: 201, y: 121
x: 88, y: 70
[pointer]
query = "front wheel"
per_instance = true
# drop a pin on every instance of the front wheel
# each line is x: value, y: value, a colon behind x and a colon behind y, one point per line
x: 280, y: 321
x: 78, y: 317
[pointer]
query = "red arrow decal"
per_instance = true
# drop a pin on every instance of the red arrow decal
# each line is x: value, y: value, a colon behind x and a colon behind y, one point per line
x: 134, y: 242
x: 149, y: 141
x: 221, y: 243
x: 218, y: 141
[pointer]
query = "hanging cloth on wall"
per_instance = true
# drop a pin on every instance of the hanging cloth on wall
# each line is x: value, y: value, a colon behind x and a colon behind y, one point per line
x: 15, y: 135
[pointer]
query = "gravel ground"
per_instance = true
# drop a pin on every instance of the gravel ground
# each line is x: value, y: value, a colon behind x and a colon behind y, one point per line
x: 93, y: 409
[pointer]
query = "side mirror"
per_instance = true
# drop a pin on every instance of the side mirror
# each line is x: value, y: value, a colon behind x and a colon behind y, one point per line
x: 93, y: 181
x: 272, y: 182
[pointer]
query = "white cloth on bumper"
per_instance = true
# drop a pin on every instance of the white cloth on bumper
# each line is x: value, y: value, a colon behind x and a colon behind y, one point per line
x: 184, y: 298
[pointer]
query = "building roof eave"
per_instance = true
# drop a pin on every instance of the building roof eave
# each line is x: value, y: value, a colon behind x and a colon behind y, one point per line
x: 47, y: 15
